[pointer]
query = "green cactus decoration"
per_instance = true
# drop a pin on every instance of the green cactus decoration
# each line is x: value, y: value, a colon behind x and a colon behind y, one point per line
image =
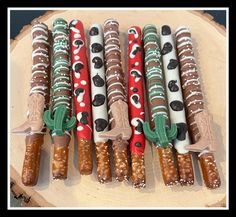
x: 161, y: 135
x: 58, y: 125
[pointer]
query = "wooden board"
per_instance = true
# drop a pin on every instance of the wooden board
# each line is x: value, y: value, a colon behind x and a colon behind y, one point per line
x: 84, y: 191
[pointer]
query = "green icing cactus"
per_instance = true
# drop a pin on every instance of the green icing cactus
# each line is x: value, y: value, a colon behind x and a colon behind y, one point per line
x: 58, y: 123
x: 161, y: 134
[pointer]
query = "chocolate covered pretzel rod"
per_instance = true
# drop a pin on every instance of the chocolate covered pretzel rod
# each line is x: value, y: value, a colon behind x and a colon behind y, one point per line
x: 58, y: 119
x: 159, y: 132
x: 118, y: 109
x: 176, y: 107
x: 136, y: 106
x: 81, y: 81
x: 99, y: 106
x: 199, y: 120
x: 38, y: 100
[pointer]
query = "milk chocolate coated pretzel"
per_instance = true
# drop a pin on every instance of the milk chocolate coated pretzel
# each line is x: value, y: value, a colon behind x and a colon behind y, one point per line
x: 81, y: 81
x: 58, y: 119
x: 136, y: 106
x: 118, y: 110
x: 99, y: 107
x: 159, y: 132
x: 176, y: 107
x: 198, y: 118
x: 38, y: 100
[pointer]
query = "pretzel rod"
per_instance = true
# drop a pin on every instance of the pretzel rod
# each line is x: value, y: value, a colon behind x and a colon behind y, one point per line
x: 99, y: 106
x: 38, y: 99
x: 199, y: 120
x: 81, y: 81
x: 159, y: 132
x: 136, y: 106
x: 118, y: 110
x: 58, y: 119
x: 176, y: 107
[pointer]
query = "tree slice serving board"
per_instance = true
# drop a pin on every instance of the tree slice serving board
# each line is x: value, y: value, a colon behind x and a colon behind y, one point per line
x: 84, y: 191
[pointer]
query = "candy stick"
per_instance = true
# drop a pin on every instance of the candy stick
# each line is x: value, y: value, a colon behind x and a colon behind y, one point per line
x: 100, y: 116
x: 81, y: 81
x: 58, y: 118
x: 198, y: 119
x: 38, y: 100
x: 118, y: 108
x: 136, y: 106
x: 158, y: 132
x: 176, y: 108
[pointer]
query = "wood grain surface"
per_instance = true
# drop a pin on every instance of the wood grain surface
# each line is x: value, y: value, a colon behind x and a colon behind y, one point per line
x: 79, y: 191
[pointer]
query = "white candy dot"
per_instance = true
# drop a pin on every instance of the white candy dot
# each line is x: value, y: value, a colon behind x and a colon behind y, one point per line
x: 76, y: 85
x: 130, y: 42
x: 82, y: 104
x: 76, y: 57
x: 77, y: 35
x: 80, y: 128
x: 83, y: 82
x: 136, y: 63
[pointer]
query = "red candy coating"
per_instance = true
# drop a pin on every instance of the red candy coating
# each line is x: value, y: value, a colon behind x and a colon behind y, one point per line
x: 81, y: 81
x: 135, y: 89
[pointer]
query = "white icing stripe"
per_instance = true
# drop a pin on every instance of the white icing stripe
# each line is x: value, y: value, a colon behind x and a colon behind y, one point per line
x: 98, y: 112
x: 194, y: 81
x: 193, y: 93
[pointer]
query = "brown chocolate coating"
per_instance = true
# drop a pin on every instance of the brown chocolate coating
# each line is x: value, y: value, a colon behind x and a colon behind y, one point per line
x: 168, y: 167
x: 33, y: 142
x: 185, y: 169
x: 115, y: 75
x: 31, y: 163
x: 138, y: 177
x: 193, y: 100
x: 103, y: 162
x: 60, y: 156
x: 85, y: 160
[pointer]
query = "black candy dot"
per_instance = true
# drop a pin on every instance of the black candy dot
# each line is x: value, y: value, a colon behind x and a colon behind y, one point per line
x: 135, y: 99
x: 84, y: 118
x: 96, y: 48
x: 97, y: 62
x: 138, y: 49
x: 98, y: 100
x: 132, y: 31
x: 139, y: 127
x: 181, y: 131
x: 165, y: 30
x: 173, y: 87
x: 100, y: 124
x: 167, y: 48
x: 78, y: 43
x: 176, y: 105
x: 93, y: 31
x: 98, y: 81
x: 78, y: 67
x: 136, y: 74
x: 172, y: 64
x: 132, y: 65
x: 138, y: 144
x: 78, y: 91
x: 135, y: 90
